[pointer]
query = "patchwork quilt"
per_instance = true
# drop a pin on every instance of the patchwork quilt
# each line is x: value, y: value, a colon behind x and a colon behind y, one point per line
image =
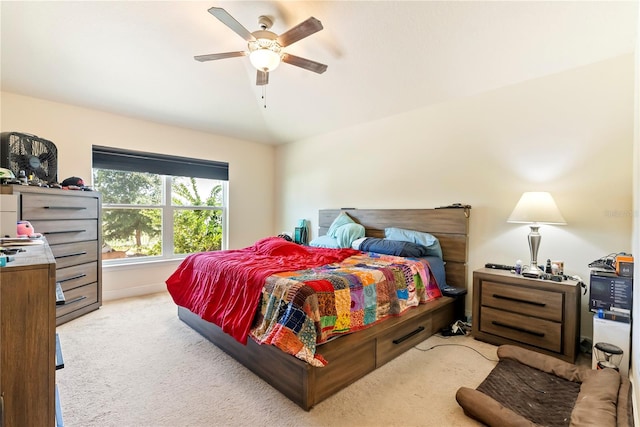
x: 302, y: 309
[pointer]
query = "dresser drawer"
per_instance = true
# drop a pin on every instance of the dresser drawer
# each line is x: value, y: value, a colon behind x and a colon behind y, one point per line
x: 78, y: 298
x: 524, y: 329
x: 523, y: 300
x: 77, y: 275
x: 69, y: 254
x: 70, y: 231
x: 49, y: 206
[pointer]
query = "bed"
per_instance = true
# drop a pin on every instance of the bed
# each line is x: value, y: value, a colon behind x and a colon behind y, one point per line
x: 350, y: 356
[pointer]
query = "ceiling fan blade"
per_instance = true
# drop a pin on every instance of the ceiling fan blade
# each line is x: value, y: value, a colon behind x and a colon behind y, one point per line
x: 307, y: 64
x: 231, y: 22
x: 262, y: 78
x: 300, y: 31
x: 214, y: 56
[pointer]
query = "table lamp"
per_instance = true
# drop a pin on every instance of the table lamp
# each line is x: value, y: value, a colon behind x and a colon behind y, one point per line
x: 535, y: 208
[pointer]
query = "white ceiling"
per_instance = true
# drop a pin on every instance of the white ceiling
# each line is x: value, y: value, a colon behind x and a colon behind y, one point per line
x: 386, y: 57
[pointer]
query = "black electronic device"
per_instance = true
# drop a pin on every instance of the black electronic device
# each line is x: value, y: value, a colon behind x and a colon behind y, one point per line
x: 35, y: 156
x: 450, y: 291
x: 455, y: 206
x: 610, y: 292
x: 499, y: 266
x: 606, y: 263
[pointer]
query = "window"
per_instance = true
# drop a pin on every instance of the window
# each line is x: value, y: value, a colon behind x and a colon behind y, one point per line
x: 156, y: 206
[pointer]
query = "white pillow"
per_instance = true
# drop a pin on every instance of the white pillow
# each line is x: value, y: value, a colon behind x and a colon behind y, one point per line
x: 356, y: 243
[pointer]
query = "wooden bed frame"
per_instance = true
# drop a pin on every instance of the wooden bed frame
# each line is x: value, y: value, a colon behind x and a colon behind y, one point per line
x: 354, y: 355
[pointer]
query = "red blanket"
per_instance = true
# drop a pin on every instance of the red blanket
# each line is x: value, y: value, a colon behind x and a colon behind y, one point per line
x: 224, y: 287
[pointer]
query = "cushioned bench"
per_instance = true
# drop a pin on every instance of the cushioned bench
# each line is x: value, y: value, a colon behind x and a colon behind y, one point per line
x: 530, y: 389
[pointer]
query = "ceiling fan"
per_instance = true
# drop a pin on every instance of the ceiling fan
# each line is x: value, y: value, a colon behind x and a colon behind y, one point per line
x: 265, y: 47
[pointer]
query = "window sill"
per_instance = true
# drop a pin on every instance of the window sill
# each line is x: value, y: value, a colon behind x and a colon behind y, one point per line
x: 138, y: 264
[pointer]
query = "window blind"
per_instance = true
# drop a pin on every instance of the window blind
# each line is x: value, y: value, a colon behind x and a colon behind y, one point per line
x: 138, y: 161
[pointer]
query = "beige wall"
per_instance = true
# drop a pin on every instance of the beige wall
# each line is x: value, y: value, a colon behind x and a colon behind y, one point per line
x: 74, y: 130
x: 635, y: 339
x: 570, y: 134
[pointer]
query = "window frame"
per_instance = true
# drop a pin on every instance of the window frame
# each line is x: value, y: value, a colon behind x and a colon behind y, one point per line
x: 106, y: 158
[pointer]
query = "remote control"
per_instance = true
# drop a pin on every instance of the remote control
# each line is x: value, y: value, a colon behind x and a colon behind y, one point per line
x: 499, y: 266
x: 59, y: 295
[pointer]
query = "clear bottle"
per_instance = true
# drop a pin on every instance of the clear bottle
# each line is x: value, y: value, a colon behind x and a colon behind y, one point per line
x: 22, y: 177
x: 519, y: 266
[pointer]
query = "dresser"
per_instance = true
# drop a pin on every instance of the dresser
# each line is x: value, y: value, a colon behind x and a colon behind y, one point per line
x: 71, y: 222
x: 540, y: 315
x: 27, y: 339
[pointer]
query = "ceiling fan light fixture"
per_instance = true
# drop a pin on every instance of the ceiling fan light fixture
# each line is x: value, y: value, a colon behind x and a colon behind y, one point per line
x: 265, y: 54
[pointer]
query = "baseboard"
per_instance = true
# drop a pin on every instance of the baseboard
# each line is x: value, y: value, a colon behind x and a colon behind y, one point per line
x: 114, y: 294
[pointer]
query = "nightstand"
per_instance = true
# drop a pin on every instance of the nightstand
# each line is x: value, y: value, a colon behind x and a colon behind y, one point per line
x: 540, y: 315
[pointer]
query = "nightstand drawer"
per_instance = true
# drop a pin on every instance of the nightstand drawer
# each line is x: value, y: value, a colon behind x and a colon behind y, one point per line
x: 525, y: 329
x: 523, y: 300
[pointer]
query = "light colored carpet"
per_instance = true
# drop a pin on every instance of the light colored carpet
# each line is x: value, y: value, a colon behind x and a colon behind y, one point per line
x: 134, y: 363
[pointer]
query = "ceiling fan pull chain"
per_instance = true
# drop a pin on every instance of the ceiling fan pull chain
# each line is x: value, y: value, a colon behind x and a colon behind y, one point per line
x: 264, y: 95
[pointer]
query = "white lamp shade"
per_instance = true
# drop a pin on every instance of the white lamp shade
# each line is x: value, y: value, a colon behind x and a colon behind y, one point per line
x: 537, y: 207
x: 264, y: 59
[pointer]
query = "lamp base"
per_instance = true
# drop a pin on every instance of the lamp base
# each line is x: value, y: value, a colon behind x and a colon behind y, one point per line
x: 534, y: 270
x: 534, y: 244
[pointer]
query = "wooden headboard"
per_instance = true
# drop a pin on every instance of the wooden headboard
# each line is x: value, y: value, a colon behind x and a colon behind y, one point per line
x: 450, y: 226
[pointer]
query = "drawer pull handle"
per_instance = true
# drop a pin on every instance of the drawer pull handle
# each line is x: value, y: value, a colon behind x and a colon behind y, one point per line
x: 76, y: 208
x: 70, y: 255
x: 409, y: 335
x: 75, y: 300
x: 519, y: 329
x: 64, y: 231
x: 79, y: 276
x: 539, y: 304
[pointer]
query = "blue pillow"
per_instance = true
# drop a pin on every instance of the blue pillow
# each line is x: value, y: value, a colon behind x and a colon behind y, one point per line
x: 325, y: 242
x: 393, y: 247
x: 436, y: 265
x: 342, y: 219
x: 419, y: 237
x: 346, y: 234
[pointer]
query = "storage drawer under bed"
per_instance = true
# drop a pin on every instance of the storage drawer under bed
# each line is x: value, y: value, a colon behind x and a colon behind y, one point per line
x: 400, y: 339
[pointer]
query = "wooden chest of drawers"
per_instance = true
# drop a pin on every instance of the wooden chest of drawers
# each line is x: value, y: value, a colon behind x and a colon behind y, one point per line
x: 537, y: 314
x: 27, y: 339
x: 71, y: 221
